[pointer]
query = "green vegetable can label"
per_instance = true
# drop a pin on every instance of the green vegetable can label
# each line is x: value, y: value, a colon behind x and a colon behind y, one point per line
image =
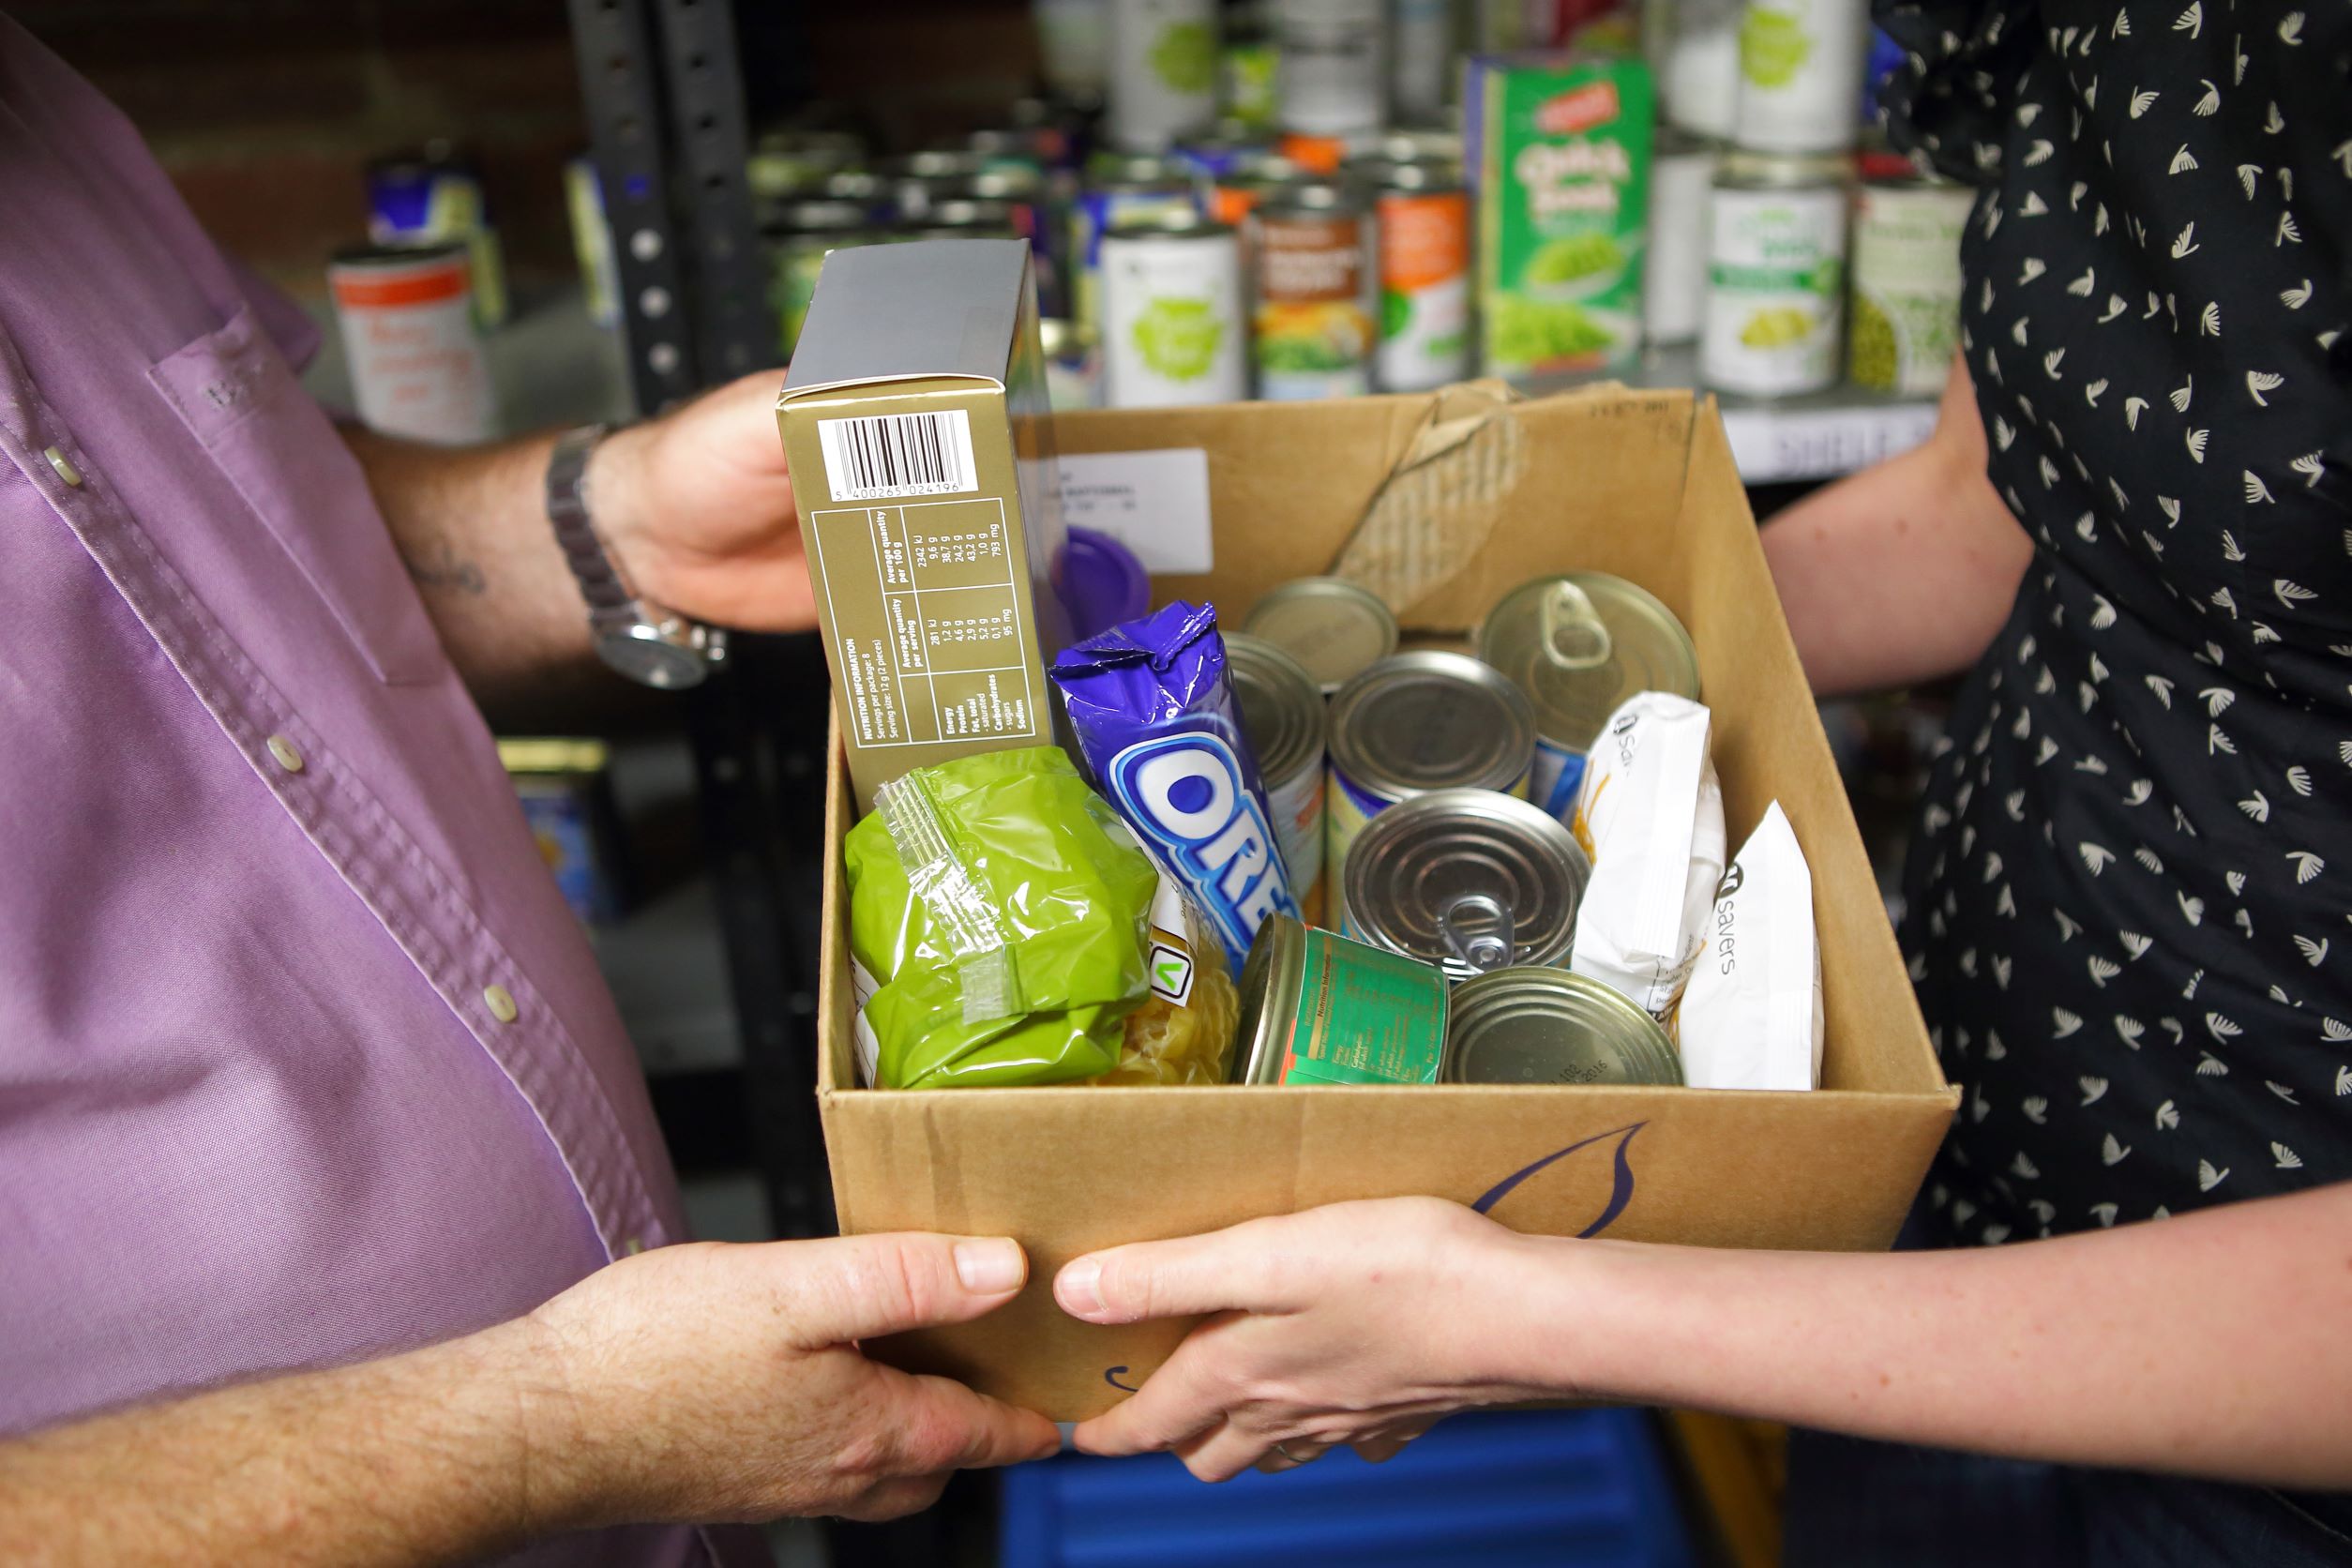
x: 1798, y: 61
x: 1906, y: 324
x: 1775, y: 286
x: 1172, y: 328
x: 1559, y: 151
x: 1163, y: 71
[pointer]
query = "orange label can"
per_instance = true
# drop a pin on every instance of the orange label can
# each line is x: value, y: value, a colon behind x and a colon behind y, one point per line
x: 1424, y: 286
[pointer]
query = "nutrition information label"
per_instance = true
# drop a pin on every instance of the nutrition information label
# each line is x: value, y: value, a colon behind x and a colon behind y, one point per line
x: 927, y: 618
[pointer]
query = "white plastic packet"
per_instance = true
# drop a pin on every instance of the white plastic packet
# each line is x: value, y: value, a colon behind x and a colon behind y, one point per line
x: 1752, y: 1017
x: 1650, y: 814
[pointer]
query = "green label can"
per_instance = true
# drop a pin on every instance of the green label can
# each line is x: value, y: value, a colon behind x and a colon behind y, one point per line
x: 1775, y: 278
x: 1319, y: 1009
x: 1560, y: 156
x: 1906, y: 324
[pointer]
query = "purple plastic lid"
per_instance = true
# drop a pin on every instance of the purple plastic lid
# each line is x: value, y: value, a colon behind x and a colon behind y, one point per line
x: 1102, y: 583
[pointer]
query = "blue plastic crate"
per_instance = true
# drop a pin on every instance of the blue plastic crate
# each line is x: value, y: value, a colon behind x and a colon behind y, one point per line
x: 1503, y: 1488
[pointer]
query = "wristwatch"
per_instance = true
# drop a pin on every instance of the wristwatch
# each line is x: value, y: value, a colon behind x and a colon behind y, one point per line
x: 641, y: 640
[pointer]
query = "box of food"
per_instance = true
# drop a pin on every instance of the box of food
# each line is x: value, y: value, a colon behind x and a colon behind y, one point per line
x: 915, y: 424
x: 1558, y: 152
x: 1444, y: 503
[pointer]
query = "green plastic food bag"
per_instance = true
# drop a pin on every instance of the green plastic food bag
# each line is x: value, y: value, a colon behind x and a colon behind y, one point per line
x: 998, y: 912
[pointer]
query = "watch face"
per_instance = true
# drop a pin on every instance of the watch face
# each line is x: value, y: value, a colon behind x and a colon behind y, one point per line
x: 643, y: 656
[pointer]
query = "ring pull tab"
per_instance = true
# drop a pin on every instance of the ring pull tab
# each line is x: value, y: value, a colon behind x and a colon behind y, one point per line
x: 1486, y: 942
x: 1570, y: 633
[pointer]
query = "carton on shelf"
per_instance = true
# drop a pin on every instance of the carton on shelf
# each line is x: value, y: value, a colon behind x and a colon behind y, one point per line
x: 1486, y: 493
x: 916, y: 425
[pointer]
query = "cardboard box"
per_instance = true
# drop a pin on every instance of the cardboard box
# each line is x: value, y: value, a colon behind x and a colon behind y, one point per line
x: 1486, y: 493
x: 915, y: 424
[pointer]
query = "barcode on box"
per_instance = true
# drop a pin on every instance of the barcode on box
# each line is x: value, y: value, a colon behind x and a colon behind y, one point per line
x: 889, y: 455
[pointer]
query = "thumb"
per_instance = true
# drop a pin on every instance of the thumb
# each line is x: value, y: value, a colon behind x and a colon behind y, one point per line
x: 1237, y: 1270
x: 862, y: 1287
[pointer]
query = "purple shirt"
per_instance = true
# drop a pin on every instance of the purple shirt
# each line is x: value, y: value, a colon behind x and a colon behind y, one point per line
x: 265, y: 1102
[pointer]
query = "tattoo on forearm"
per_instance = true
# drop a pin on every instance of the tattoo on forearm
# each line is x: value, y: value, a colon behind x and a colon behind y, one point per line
x: 444, y: 568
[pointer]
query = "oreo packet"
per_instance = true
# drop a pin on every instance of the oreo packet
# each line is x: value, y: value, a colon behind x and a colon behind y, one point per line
x: 1157, y: 724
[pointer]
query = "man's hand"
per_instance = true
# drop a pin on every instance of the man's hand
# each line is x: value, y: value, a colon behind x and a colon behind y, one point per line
x: 697, y: 508
x: 714, y: 1382
x: 1360, y: 1323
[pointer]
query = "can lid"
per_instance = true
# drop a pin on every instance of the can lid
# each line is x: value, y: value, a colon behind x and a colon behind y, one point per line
x: 1316, y: 198
x: 1133, y: 169
x: 1468, y: 880
x: 968, y: 211
x: 1260, y: 170
x: 1581, y: 643
x: 1168, y: 222
x: 939, y: 163
x: 1422, y: 721
x: 1380, y: 171
x: 1273, y: 978
x: 1743, y: 169
x: 855, y: 185
x: 1548, y: 1026
x: 1282, y: 707
x: 827, y: 216
x: 1332, y: 626
x: 1410, y: 145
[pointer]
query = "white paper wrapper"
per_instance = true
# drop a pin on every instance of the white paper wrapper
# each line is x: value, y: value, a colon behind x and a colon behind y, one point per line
x: 1650, y: 814
x: 1752, y: 1017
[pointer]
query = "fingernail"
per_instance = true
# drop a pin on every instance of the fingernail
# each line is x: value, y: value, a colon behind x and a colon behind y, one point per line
x: 1080, y: 1288
x: 989, y: 1268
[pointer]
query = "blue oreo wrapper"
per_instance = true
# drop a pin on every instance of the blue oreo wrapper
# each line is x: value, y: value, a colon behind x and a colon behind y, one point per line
x: 1158, y: 729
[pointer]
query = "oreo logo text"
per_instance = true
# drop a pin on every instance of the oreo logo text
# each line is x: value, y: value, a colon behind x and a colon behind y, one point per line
x: 1186, y: 794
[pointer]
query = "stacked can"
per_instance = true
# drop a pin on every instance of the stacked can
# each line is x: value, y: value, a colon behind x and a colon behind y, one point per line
x: 1422, y: 211
x: 1904, y: 326
x: 435, y: 197
x: 1163, y: 72
x: 1284, y: 719
x: 1172, y: 331
x: 1776, y: 274
x: 1331, y: 70
x: 1314, y: 263
x: 1119, y: 188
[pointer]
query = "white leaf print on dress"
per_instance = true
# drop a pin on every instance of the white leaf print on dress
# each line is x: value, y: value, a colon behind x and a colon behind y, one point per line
x: 2343, y: 1081
x: 2311, y: 465
x: 2137, y: 795
x: 2129, y: 1031
x: 2216, y: 699
x: 2105, y: 1212
x: 2288, y: 232
x: 2315, y: 953
x: 2307, y: 867
x: 2209, y: 320
x: 2092, y: 1087
x: 2181, y: 394
x: 2210, y: 102
x: 2208, y: 1178
x: 2275, y: 123
x: 2237, y: 881
x: 2230, y: 551
x: 2171, y: 510
x: 2331, y: 1028
x: 2256, y: 806
x: 2247, y: 174
x: 2192, y: 908
x: 2209, y: 1065
x: 2192, y: 20
x: 2168, y: 1117
x: 2115, y: 307
x: 2221, y: 1028
x: 2096, y: 857
x: 2258, y: 493
x: 2344, y: 155
x: 2112, y: 1149
x: 2035, y: 1108
x: 2290, y: 593
x: 2141, y: 101
x: 2217, y: 742
x: 2259, y: 382
x: 2291, y: 29
x: 2134, y: 944
x: 2184, y: 244
x: 2281, y: 1090
x: 2018, y: 330
x: 2024, y: 1166
x: 2101, y: 970
x: 2182, y: 161
x: 2195, y: 441
x: 2287, y: 1158
x: 2298, y: 778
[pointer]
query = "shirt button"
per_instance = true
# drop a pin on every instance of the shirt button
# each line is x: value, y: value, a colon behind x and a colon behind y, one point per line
x: 64, y: 466
x: 500, y: 1001
x: 283, y: 750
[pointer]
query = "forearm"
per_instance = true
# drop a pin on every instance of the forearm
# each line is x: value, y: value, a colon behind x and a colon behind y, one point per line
x: 1904, y: 571
x: 2210, y: 1344
x: 420, y: 1458
x: 472, y: 527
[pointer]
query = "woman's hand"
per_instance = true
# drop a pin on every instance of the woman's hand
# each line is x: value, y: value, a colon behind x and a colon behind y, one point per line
x: 1358, y: 1323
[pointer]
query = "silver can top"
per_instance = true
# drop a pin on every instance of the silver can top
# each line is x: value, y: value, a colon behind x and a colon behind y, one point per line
x: 1745, y: 170
x: 1334, y: 627
x: 1166, y: 223
x: 1422, y: 721
x: 1581, y: 643
x: 1468, y: 880
x: 1282, y: 708
x: 1546, y: 1026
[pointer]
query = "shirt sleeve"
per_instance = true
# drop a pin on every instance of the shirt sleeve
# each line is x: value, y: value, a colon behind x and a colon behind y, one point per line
x: 1949, y: 101
x: 289, y: 324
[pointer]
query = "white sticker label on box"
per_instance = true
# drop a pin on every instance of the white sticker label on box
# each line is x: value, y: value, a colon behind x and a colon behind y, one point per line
x: 1154, y: 502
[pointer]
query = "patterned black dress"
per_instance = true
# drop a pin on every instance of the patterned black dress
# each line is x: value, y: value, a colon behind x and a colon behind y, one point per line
x: 2127, y: 903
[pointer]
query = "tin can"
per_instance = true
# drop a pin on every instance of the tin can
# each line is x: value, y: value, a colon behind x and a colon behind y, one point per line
x: 1319, y: 1009
x: 591, y: 242
x: 567, y: 803
x: 1318, y: 155
x: 1172, y: 331
x: 1314, y: 263
x: 1693, y: 47
x: 1468, y: 880
x: 1578, y: 645
x: 1547, y: 1026
x: 1420, y: 58
x: 921, y: 179
x: 869, y: 190
x: 960, y: 216
x: 1283, y: 720
x: 1776, y: 276
x: 435, y: 197
x: 1121, y: 187
x: 1073, y: 45
x: 1423, y: 216
x: 1801, y: 71
x: 1674, y: 276
x: 1413, y: 723
x: 1210, y: 159
x: 1163, y: 71
x: 797, y: 243
x: 1247, y: 71
x: 1331, y: 65
x: 1335, y: 628
x: 1904, y: 328
x: 418, y: 368
x: 792, y: 163
x: 1244, y: 185
x: 1419, y: 144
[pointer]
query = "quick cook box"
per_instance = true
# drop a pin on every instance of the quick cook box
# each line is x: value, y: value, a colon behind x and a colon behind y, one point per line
x: 1485, y: 494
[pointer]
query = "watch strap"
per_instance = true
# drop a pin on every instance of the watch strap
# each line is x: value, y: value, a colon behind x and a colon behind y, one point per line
x: 600, y: 581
